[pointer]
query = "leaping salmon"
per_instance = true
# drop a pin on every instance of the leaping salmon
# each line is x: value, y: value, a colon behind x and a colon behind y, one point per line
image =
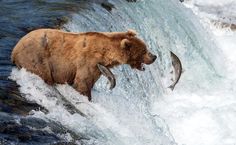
x: 176, y: 63
x: 107, y: 73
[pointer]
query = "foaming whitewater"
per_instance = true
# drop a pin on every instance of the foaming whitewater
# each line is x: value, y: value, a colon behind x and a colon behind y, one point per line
x: 207, y: 117
x: 102, y: 125
x: 140, y: 110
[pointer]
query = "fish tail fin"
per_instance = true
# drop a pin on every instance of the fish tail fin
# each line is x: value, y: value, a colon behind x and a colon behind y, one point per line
x: 171, y: 87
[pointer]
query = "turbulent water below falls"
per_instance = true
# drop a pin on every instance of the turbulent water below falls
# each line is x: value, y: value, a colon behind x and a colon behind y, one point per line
x: 141, y: 110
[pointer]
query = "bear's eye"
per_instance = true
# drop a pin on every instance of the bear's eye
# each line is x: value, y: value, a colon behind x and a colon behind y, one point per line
x: 144, y: 51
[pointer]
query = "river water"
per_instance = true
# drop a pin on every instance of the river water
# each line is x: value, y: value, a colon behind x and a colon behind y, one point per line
x: 141, y: 110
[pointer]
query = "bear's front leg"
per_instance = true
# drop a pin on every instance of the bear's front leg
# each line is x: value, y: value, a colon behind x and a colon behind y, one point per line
x: 82, y: 87
x: 82, y: 83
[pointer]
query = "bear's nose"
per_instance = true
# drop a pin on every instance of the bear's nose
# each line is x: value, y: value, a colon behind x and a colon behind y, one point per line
x: 154, y: 57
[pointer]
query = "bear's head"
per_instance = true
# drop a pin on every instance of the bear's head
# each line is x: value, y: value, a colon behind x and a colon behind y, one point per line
x: 135, y: 51
x: 128, y: 50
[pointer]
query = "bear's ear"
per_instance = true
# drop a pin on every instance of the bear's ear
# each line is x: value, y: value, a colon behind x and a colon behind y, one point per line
x: 125, y: 44
x: 131, y: 33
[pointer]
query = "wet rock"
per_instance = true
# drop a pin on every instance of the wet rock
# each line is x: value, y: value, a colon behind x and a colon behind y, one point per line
x: 34, y: 122
x: 108, y: 6
x: 65, y: 143
x: 60, y: 21
x: 12, y: 102
x: 12, y: 131
x: 131, y: 0
x: 30, y: 130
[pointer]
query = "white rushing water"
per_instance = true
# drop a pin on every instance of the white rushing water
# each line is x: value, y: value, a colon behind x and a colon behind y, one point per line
x: 141, y: 110
x: 207, y: 117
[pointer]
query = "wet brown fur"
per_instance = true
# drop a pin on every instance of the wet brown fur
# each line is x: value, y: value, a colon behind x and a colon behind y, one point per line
x: 63, y: 57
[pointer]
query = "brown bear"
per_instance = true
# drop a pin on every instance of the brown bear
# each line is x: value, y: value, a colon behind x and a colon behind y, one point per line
x: 79, y: 59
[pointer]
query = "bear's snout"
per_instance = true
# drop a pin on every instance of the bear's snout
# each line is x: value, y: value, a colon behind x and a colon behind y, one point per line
x: 149, y: 58
x: 154, y: 57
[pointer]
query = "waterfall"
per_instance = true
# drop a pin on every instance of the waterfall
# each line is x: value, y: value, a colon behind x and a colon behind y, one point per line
x: 132, y: 112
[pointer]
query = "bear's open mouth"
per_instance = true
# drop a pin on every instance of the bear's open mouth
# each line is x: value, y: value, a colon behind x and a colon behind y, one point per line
x: 138, y: 65
x: 141, y: 67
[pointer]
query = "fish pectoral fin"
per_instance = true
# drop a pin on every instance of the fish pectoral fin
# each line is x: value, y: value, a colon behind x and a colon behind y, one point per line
x: 172, y: 79
x: 107, y: 73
